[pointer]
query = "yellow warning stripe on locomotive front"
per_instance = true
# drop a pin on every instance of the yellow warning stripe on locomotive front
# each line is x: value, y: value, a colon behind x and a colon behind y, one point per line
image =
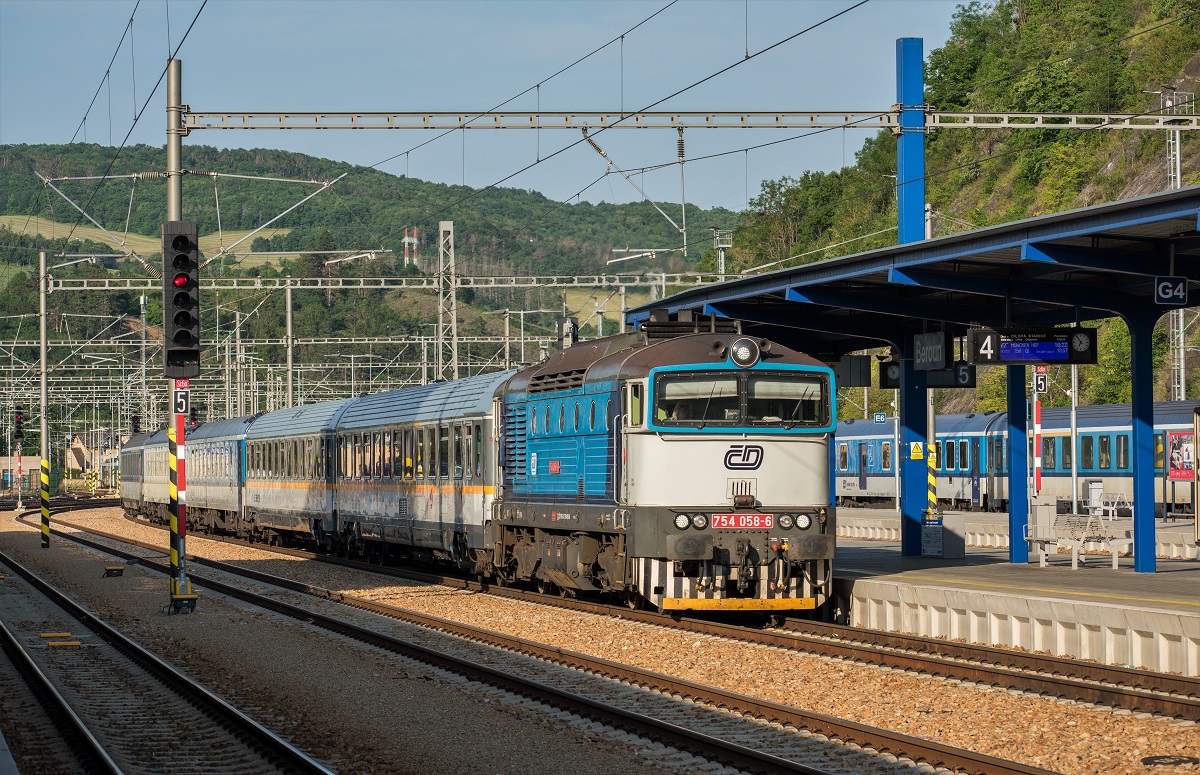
x: 739, y: 604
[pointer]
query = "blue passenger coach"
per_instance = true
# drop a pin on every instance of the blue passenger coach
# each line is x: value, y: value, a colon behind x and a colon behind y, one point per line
x: 973, y: 455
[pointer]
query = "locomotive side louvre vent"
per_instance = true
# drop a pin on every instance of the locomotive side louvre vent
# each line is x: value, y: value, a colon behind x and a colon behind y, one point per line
x: 562, y: 380
x: 735, y: 487
x: 515, y: 419
x: 668, y: 329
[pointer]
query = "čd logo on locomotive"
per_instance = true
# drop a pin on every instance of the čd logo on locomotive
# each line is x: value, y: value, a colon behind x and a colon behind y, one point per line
x: 743, y: 457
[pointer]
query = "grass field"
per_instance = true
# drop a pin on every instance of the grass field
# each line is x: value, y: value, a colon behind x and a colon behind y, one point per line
x: 141, y: 244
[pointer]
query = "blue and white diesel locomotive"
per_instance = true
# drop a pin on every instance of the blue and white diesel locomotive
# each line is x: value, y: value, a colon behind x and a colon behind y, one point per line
x: 972, y: 456
x: 676, y: 467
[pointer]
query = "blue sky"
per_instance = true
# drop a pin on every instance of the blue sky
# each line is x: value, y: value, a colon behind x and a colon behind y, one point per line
x: 379, y: 55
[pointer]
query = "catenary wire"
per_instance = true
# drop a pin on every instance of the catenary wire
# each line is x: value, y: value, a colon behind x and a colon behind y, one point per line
x: 128, y: 26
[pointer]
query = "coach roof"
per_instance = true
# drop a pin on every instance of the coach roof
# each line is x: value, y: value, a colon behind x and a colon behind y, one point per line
x: 469, y: 397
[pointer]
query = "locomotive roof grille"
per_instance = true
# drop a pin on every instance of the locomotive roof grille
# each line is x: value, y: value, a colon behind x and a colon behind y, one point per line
x: 668, y: 329
x: 562, y: 380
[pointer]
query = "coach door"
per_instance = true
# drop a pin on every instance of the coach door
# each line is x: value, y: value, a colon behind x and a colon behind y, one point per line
x: 975, y: 473
x: 862, y: 466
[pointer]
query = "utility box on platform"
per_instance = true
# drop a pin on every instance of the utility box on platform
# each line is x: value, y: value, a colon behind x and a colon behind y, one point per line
x: 944, y: 535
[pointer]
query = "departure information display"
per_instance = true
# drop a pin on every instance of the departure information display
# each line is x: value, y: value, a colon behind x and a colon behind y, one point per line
x: 1017, y: 346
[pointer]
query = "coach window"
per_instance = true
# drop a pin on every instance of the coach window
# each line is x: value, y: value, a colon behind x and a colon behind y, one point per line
x: 468, y: 458
x: 419, y: 452
x: 843, y: 457
x: 406, y: 452
x: 459, y: 461
x: 1105, y: 451
x: 964, y: 460
x: 443, y: 459
x: 1087, y: 447
x: 949, y: 452
x: 478, y: 451
x: 1122, y: 452
x: 1049, y: 446
x: 886, y: 456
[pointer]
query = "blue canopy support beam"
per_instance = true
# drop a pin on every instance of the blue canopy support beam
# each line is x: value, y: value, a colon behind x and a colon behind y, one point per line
x: 1141, y: 335
x: 1018, y: 466
x: 1092, y: 300
x: 914, y: 475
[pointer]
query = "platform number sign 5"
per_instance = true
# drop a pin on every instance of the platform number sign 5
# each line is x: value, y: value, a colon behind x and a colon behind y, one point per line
x: 180, y: 401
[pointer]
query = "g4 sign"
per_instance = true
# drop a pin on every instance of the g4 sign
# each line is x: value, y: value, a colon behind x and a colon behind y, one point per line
x: 1170, y: 291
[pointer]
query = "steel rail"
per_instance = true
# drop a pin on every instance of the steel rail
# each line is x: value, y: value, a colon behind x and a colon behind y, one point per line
x: 848, y: 731
x: 1175, y: 696
x: 274, y: 746
x: 84, y: 746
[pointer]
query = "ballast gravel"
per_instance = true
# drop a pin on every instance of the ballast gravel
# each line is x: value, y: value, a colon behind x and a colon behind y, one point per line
x: 1044, y: 732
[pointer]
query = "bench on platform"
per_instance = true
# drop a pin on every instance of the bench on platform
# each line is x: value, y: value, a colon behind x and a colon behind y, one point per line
x: 1076, y: 530
x: 1109, y: 505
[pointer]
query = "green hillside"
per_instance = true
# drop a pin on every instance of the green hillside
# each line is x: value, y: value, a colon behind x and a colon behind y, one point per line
x: 1077, y: 56
x: 1011, y: 55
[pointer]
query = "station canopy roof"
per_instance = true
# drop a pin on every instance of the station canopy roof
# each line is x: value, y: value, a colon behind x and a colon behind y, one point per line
x: 1073, y: 267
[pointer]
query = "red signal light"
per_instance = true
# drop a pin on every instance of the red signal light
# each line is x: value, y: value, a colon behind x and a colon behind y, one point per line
x: 181, y: 280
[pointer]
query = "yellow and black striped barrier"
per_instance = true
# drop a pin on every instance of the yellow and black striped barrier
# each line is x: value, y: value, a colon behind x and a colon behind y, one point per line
x: 45, y: 503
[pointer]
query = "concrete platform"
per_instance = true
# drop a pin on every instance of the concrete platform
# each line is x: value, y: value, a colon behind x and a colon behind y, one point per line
x: 1146, y: 620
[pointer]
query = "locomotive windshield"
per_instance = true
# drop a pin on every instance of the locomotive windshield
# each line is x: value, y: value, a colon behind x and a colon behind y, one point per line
x: 741, y: 399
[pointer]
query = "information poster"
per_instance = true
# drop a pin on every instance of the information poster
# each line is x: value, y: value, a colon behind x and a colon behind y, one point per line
x: 1181, y: 454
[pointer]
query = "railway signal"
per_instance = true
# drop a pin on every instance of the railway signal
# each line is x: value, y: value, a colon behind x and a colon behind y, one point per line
x: 136, y: 424
x: 18, y: 421
x: 181, y: 300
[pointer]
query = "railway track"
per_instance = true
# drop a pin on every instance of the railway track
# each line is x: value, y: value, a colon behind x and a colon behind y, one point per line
x: 719, y: 725
x: 1078, y: 680
x: 113, y: 707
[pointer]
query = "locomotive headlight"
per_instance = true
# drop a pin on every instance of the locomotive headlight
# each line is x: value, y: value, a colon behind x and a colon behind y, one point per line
x: 682, y: 521
x: 786, y: 521
x: 803, y: 521
x: 699, y: 521
x: 744, y: 352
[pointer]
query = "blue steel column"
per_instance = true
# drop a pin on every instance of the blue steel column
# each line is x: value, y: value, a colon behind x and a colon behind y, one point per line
x: 1141, y: 333
x: 910, y: 199
x: 914, y: 488
x: 1018, y: 466
x: 910, y: 149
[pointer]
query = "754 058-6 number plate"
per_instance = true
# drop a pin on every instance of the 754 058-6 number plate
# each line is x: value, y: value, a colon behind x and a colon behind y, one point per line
x: 743, y: 521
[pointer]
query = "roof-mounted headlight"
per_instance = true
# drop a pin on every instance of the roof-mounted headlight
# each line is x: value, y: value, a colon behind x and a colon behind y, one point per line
x: 744, y: 352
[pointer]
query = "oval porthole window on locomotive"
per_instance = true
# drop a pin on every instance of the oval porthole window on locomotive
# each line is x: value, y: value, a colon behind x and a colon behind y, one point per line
x: 546, y: 426
x: 562, y: 418
x: 605, y: 410
x: 576, y: 415
x: 744, y: 352
x: 592, y: 416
